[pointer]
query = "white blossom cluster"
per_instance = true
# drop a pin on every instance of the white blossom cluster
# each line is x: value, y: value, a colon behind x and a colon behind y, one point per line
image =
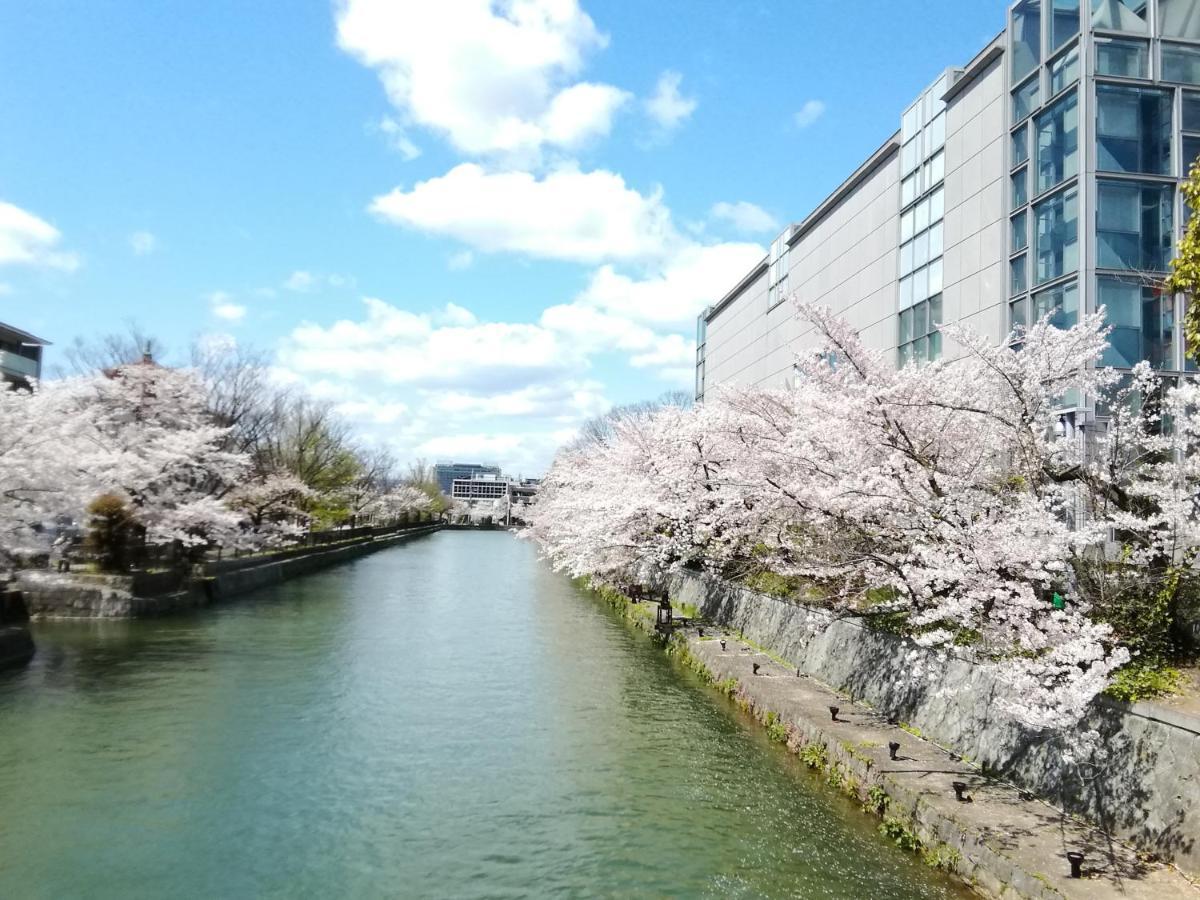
x: 142, y: 433
x: 951, y: 493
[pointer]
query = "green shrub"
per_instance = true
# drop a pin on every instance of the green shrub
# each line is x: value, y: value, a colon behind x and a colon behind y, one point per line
x: 1144, y: 682
x: 943, y: 858
x: 899, y: 833
x: 776, y: 730
x: 877, y: 800
x: 814, y: 755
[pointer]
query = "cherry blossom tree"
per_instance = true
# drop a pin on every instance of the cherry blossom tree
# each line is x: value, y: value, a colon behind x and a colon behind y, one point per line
x: 947, y: 493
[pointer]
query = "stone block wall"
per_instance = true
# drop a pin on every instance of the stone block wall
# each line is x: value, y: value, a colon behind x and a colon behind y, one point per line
x: 1143, y: 785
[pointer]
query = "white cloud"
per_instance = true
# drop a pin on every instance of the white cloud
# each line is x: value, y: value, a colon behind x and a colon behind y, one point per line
x: 690, y: 280
x: 142, y: 243
x: 463, y: 259
x: 223, y: 307
x: 5, y: 289
x: 666, y: 106
x: 396, y: 347
x: 453, y: 314
x: 809, y: 113
x: 674, y: 350
x: 568, y: 214
x: 398, y: 139
x: 28, y: 240
x: 745, y: 217
x: 300, y: 281
x: 490, y: 77
x: 444, y: 383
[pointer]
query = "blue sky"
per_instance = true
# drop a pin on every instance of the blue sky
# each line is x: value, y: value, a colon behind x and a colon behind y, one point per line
x: 468, y: 224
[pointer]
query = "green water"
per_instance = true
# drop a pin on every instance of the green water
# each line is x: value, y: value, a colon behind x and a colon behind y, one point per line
x: 442, y: 719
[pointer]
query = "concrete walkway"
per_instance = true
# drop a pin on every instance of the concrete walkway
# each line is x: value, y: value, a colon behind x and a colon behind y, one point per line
x: 1008, y: 846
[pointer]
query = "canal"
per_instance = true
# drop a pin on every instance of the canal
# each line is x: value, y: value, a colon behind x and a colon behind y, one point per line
x: 447, y: 718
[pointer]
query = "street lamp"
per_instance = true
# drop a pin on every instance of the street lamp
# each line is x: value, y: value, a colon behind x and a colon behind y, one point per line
x: 664, y: 615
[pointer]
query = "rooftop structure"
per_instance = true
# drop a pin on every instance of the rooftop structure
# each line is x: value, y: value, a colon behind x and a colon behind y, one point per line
x: 20, y: 356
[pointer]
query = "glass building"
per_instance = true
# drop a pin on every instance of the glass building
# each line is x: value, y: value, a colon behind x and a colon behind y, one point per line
x: 1105, y: 100
x: 1040, y: 179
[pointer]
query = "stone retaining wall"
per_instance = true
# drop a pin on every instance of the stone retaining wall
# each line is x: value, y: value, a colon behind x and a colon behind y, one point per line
x: 16, y: 646
x: 48, y: 595
x: 1144, y: 786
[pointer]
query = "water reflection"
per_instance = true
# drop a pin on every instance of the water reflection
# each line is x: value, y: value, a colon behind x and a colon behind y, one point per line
x: 444, y: 718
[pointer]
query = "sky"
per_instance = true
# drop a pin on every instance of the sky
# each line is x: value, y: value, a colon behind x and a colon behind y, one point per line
x: 471, y: 225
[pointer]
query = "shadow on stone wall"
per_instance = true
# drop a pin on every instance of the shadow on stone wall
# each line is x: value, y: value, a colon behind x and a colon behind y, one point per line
x: 1142, y: 782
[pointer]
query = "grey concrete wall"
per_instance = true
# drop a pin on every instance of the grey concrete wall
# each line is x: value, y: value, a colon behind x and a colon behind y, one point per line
x: 975, y: 273
x: 1143, y: 785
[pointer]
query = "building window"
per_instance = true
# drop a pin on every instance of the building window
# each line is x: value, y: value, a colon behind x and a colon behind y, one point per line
x: 1026, y: 38
x: 1025, y: 99
x: 1179, y: 18
x: 1143, y: 324
x: 1057, y: 132
x: 1020, y: 147
x: 1018, y: 275
x: 910, y: 155
x: 1064, y: 71
x: 1060, y: 303
x: 777, y: 271
x: 1180, y: 63
x: 1056, y: 223
x: 1016, y: 316
x: 1125, y: 59
x: 1133, y: 130
x: 1064, y: 22
x: 1120, y: 15
x: 1019, y: 231
x: 936, y: 136
x: 920, y: 341
x: 1134, y: 225
x: 1020, y: 188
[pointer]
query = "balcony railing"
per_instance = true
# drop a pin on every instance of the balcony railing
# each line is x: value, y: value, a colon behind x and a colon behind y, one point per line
x: 15, y: 364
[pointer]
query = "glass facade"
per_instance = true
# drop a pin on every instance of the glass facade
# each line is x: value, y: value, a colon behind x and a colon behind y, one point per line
x: 1060, y: 303
x: 1122, y: 58
x: 777, y: 270
x: 1025, y: 99
x: 1134, y: 225
x: 922, y: 210
x: 1056, y: 226
x: 1057, y: 131
x: 1133, y: 130
x: 1181, y: 63
x: 1120, y: 15
x: 1026, y: 38
x: 1142, y: 321
x: 1064, y: 22
x: 1064, y: 71
x: 920, y: 341
x: 1179, y: 19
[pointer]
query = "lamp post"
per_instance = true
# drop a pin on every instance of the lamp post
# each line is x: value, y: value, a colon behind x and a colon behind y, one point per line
x: 664, y: 615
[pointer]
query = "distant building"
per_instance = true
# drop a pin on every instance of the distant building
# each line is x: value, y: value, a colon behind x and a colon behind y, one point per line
x: 482, y: 487
x: 20, y: 356
x: 446, y: 473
